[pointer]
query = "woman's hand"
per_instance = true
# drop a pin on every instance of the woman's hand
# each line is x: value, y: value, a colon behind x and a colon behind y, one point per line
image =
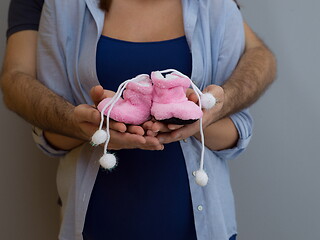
x: 219, y: 135
x: 154, y: 127
x: 123, y: 136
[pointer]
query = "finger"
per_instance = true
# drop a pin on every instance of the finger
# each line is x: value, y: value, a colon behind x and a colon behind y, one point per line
x: 191, y: 95
x: 160, y: 127
x: 147, y: 125
x: 151, y: 133
x: 87, y: 130
x: 96, y: 94
x: 86, y: 113
x: 165, y: 138
x: 130, y: 141
x: 107, y: 94
x: 174, y: 126
x: 118, y: 126
x: 125, y: 140
x: 152, y: 143
x: 179, y: 134
x: 216, y: 91
x: 189, y: 91
x: 186, y: 131
x: 135, y: 130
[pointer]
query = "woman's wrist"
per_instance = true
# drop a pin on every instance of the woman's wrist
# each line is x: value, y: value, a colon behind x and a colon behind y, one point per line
x: 220, y: 135
x: 61, y: 142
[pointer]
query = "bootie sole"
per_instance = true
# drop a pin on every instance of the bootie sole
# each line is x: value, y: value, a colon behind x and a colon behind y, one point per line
x: 177, y: 121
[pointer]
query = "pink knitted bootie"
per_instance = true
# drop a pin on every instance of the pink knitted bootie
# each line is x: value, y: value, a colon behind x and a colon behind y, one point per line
x: 134, y: 107
x: 170, y: 104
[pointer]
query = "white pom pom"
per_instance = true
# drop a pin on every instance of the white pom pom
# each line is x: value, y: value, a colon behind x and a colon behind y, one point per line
x: 99, y: 137
x: 201, y: 178
x: 108, y: 161
x: 208, y: 100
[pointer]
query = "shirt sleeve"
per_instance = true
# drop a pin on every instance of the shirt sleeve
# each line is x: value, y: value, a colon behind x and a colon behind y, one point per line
x: 44, y: 146
x: 51, y: 53
x: 230, y: 52
x: 243, y: 122
x: 24, y: 15
x: 51, y: 68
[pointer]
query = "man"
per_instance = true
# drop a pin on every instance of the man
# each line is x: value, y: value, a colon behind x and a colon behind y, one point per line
x: 25, y: 95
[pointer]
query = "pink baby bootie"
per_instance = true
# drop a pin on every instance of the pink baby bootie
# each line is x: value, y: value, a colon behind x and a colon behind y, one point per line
x: 170, y: 104
x: 134, y: 107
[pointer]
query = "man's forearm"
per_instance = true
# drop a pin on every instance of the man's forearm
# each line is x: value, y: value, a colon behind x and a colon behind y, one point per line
x: 255, y: 71
x: 37, y: 104
x: 25, y: 95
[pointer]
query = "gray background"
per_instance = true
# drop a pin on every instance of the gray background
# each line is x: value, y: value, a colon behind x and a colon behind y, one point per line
x: 276, y: 181
x: 28, y: 196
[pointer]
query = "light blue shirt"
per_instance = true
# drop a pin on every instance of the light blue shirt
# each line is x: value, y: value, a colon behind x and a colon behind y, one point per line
x: 68, y: 36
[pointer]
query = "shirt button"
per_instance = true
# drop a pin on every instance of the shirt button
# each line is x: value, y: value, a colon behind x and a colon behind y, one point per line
x: 194, y: 173
x: 200, y: 208
x: 185, y: 140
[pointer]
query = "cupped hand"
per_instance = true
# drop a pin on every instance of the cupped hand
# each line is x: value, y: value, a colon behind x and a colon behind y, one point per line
x: 128, y: 140
x: 122, y: 136
x: 97, y: 94
x: 153, y: 127
x: 209, y: 116
x: 86, y: 118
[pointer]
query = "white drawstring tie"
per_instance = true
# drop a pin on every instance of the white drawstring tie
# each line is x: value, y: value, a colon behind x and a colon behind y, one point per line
x: 207, y: 101
x: 109, y: 160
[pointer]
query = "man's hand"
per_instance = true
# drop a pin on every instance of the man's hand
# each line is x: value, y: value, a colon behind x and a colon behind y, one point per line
x: 87, y: 119
x: 97, y: 94
x: 255, y: 71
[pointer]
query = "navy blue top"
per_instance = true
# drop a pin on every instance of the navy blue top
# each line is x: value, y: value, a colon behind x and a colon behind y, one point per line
x: 147, y: 195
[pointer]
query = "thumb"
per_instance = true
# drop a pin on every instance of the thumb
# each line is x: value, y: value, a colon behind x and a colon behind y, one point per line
x: 97, y: 94
x: 191, y: 95
x: 86, y: 113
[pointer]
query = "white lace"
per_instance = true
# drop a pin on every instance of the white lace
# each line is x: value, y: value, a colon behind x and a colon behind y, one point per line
x: 198, y: 93
x: 111, y: 103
